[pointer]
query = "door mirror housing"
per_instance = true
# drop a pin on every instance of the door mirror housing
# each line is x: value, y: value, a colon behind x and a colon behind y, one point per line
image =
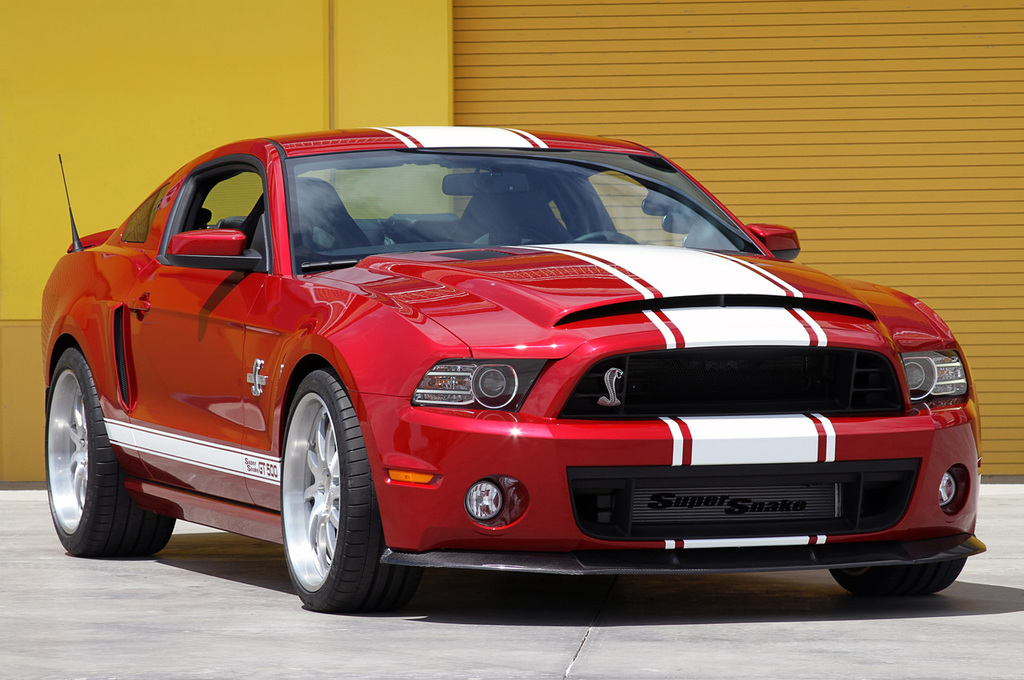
x: 211, y: 249
x: 782, y: 242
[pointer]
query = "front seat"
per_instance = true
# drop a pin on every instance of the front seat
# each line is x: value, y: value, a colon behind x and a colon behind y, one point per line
x: 324, y: 223
x: 511, y: 219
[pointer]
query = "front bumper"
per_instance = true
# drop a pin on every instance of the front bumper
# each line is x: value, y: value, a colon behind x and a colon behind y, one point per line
x: 460, y: 448
x: 702, y: 561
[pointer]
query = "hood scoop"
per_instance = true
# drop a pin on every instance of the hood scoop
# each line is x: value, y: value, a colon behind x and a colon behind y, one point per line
x: 693, y: 301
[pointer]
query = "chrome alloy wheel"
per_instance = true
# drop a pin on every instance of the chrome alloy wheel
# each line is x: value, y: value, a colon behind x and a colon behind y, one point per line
x: 68, y: 451
x: 311, y: 491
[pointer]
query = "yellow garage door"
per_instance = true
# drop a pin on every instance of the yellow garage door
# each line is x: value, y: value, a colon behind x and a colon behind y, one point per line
x: 888, y: 132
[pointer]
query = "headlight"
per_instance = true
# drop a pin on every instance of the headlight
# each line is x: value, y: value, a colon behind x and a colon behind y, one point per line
x: 934, y: 374
x: 478, y: 383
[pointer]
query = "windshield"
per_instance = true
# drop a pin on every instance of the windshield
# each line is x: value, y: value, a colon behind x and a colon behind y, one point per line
x: 344, y: 207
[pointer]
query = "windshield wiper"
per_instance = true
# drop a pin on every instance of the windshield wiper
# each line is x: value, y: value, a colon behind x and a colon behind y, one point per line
x: 328, y: 264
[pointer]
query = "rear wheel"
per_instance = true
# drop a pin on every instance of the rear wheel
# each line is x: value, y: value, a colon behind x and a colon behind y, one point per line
x: 91, y: 509
x: 908, y: 579
x: 333, y: 534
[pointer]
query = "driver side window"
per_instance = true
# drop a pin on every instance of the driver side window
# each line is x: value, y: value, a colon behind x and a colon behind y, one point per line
x: 231, y: 199
x: 228, y: 203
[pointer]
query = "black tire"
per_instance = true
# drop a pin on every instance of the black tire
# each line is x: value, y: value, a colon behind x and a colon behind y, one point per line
x: 898, y: 580
x: 333, y: 534
x: 91, y: 509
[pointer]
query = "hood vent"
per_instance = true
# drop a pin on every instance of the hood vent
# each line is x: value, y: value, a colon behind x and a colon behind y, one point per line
x: 640, y: 306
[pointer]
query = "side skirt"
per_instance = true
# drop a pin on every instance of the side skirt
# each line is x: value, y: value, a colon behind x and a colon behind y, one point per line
x: 212, y: 512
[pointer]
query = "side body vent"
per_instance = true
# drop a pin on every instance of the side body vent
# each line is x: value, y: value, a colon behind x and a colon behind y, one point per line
x: 120, y: 333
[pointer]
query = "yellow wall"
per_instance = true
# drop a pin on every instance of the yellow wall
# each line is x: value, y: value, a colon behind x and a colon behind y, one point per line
x: 887, y: 133
x: 393, y: 63
x: 129, y: 91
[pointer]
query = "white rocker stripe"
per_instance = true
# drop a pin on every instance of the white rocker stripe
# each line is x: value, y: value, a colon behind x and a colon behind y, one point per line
x: 752, y: 440
x: 223, y: 458
x: 738, y: 326
x: 464, y: 137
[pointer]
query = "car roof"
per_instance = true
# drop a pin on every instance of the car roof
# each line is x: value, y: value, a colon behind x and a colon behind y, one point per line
x: 437, y: 137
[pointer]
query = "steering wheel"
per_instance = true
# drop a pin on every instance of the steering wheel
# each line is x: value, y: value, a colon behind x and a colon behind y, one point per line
x: 607, y: 236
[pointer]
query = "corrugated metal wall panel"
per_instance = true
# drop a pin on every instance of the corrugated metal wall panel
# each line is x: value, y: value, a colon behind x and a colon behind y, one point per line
x: 888, y: 132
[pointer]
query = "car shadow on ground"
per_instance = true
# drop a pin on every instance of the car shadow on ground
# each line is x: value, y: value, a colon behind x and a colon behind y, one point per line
x: 453, y: 596
x: 229, y: 557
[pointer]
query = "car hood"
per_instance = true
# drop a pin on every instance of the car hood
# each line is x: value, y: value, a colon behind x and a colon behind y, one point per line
x: 520, y: 297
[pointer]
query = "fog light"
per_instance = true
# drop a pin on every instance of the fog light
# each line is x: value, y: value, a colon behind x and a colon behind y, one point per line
x: 947, y: 489
x: 953, y: 489
x: 484, y: 500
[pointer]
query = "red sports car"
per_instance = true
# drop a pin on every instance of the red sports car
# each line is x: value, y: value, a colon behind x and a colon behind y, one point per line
x: 398, y: 348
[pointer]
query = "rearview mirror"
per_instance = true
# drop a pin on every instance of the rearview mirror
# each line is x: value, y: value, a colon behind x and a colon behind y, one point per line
x: 476, y: 183
x: 211, y: 249
x: 782, y: 242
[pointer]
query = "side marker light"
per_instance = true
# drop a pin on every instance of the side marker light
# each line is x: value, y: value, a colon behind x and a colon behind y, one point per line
x: 411, y: 476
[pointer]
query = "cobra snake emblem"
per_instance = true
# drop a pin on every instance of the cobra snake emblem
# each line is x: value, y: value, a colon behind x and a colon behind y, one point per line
x: 611, y: 376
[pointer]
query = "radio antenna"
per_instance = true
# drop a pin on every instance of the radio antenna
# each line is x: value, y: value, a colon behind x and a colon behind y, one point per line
x: 76, y: 243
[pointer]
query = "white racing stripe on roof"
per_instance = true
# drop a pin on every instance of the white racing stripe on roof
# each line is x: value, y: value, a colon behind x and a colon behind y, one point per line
x: 397, y: 135
x: 482, y: 137
x: 537, y: 141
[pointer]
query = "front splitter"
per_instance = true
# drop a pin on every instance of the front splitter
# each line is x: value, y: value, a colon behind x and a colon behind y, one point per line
x: 703, y: 560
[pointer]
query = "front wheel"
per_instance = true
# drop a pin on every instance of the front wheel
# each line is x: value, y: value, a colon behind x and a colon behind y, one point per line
x: 91, y: 509
x: 901, y: 579
x: 333, y: 535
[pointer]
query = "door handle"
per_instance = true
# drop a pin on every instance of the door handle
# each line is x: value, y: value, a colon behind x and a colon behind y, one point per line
x: 140, y: 305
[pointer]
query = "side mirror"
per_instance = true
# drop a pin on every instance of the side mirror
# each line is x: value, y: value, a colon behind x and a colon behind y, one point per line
x: 211, y: 249
x: 782, y: 242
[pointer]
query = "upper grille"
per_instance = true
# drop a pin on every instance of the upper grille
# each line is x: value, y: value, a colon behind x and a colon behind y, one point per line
x: 737, y: 381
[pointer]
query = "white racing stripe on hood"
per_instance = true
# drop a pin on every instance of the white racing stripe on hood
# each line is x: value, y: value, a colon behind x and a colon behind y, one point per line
x: 751, y: 440
x: 671, y: 272
x: 738, y: 326
x: 646, y: 292
x: 761, y: 271
x: 675, y: 271
x: 759, y: 542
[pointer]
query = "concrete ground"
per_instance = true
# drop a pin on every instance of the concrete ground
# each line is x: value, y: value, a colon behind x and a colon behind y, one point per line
x: 213, y: 605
